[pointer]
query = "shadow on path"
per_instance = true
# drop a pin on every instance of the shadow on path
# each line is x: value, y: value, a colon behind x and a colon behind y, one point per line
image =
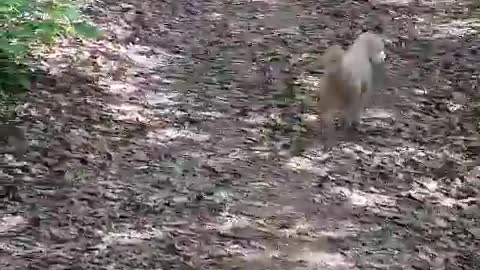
x: 165, y: 145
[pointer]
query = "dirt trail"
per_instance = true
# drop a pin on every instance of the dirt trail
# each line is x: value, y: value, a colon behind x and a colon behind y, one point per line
x: 166, y: 146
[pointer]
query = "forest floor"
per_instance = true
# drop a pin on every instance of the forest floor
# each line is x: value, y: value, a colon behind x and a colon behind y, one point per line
x: 172, y: 143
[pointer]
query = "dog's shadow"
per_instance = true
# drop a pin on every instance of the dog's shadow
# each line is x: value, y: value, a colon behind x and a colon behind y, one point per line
x: 363, y: 133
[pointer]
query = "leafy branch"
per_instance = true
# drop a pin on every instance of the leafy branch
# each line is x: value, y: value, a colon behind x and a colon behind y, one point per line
x: 26, y: 25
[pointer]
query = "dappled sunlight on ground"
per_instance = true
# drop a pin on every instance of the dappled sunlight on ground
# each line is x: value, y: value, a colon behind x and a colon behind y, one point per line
x: 162, y: 100
x: 323, y: 260
x: 393, y: 2
x: 456, y: 28
x: 299, y: 163
x: 129, y: 237
x: 169, y: 134
x: 299, y: 243
x: 364, y: 199
x: 168, y: 145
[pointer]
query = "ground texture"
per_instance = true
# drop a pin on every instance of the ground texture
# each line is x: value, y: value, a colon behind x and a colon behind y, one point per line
x: 174, y: 143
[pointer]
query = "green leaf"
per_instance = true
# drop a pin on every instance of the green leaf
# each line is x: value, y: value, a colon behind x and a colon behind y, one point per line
x: 64, y: 13
x: 24, y: 82
x: 29, y: 24
x: 13, y: 49
x: 87, y: 30
x: 71, y: 14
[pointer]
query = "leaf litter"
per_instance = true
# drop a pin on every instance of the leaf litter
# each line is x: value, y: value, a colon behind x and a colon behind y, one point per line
x: 172, y: 143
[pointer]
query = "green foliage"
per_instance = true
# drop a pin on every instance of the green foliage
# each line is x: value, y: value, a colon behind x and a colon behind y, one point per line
x: 26, y: 25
